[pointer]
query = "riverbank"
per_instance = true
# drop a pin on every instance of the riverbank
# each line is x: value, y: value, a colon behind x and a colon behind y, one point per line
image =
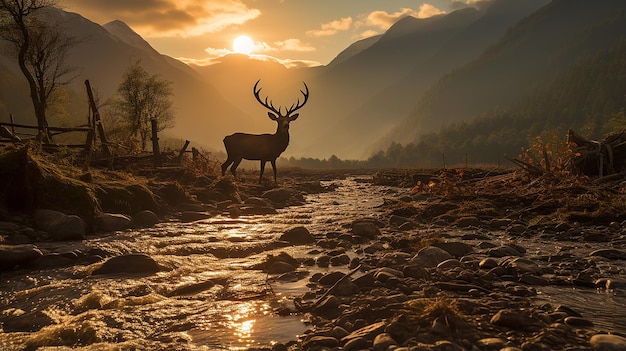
x: 443, y: 260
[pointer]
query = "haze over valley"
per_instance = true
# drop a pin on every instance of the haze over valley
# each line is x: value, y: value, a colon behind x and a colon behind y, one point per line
x: 505, y: 60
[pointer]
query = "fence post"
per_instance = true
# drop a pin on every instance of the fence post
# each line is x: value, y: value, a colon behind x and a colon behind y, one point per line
x: 195, y: 153
x: 97, y: 121
x: 182, y: 151
x: 155, y: 144
x: 443, y: 159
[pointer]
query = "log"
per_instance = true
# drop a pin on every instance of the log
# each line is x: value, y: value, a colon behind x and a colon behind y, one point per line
x: 597, y: 158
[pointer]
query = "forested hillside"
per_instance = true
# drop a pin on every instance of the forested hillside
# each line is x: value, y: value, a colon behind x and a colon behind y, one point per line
x: 589, y: 97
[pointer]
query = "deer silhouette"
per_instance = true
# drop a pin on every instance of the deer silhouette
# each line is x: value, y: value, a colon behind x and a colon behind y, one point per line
x: 263, y: 147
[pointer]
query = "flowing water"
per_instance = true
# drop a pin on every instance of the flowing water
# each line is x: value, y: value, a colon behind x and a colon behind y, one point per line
x: 231, y: 307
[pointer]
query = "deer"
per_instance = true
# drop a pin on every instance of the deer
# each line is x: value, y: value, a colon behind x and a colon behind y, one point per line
x: 263, y: 147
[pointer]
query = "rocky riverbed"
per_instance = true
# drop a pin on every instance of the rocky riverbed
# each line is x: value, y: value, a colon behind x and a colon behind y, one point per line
x: 401, y: 260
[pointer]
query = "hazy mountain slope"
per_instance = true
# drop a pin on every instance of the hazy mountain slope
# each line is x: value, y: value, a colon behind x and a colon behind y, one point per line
x: 376, y: 116
x: 348, y: 84
x: 354, y: 49
x: 539, y: 47
x: 202, y: 115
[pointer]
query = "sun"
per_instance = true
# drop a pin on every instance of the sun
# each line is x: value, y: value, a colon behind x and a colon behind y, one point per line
x: 243, y: 45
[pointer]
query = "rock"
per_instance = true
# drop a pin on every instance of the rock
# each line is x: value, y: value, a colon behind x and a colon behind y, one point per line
x: 16, y: 255
x: 297, y: 236
x: 329, y: 307
x: 430, y: 257
x: 60, y: 226
x: 610, y: 254
x: 449, y: 264
x: 26, y: 322
x: 465, y: 222
x: 111, y: 222
x: 578, y: 322
x: 192, y: 216
x: 8, y: 227
x: 345, y: 288
x: 383, y: 341
x: 516, y: 320
x: 503, y: 251
x: 280, y: 267
x: 320, y: 341
x: 455, y: 248
x: 398, y: 221
x: 330, y: 278
x: 132, y: 263
x: 53, y: 260
x: 356, y: 344
x: 278, y: 195
x: 192, y: 288
x: 340, y: 260
x: 368, y: 332
x: 524, y: 265
x: 145, y: 219
x: 608, y: 342
x: 365, y: 229
x: 365, y: 281
x: 499, y: 223
x: 491, y: 344
x: 488, y: 263
x: 415, y: 271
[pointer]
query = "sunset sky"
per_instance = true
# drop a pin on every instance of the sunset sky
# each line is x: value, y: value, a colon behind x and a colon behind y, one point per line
x: 294, y: 31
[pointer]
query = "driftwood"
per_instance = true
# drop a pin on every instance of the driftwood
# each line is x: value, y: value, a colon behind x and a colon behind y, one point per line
x: 598, y: 158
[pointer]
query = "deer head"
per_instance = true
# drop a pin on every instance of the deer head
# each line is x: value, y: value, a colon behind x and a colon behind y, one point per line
x: 276, y: 114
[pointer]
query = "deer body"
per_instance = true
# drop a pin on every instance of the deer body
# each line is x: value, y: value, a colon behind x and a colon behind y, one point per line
x: 262, y: 147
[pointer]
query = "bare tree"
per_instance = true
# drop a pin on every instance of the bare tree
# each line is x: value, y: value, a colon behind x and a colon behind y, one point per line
x: 41, y: 49
x: 142, y: 98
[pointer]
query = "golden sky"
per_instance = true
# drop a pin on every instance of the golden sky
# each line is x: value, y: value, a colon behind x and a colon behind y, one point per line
x: 294, y: 31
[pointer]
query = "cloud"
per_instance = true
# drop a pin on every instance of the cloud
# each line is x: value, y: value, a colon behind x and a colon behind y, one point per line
x: 289, y: 63
x: 293, y: 45
x: 154, y: 18
x: 368, y: 33
x: 331, y: 28
x: 384, y: 20
x: 479, y: 4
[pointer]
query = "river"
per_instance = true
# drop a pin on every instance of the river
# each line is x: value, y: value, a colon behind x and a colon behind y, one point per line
x: 235, y: 309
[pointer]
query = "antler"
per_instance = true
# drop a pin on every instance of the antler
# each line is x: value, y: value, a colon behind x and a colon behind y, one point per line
x: 297, y: 105
x: 269, y: 105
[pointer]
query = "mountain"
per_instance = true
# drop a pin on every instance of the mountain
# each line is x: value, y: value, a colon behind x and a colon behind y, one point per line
x: 103, y: 53
x: 530, y: 54
x: 376, y: 116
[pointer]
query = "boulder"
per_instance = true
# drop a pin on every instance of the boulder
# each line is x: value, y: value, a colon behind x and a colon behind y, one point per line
x: 608, y: 342
x: 145, y: 219
x: 131, y: 263
x: 111, y: 222
x: 278, y: 195
x: 430, y: 256
x: 26, y: 322
x: 365, y: 228
x: 15, y: 255
x: 60, y: 226
x: 297, y: 236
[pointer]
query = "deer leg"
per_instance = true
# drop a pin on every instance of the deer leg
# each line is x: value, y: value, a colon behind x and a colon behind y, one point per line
x: 262, y: 170
x: 225, y: 165
x: 236, y: 163
x: 274, y: 168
